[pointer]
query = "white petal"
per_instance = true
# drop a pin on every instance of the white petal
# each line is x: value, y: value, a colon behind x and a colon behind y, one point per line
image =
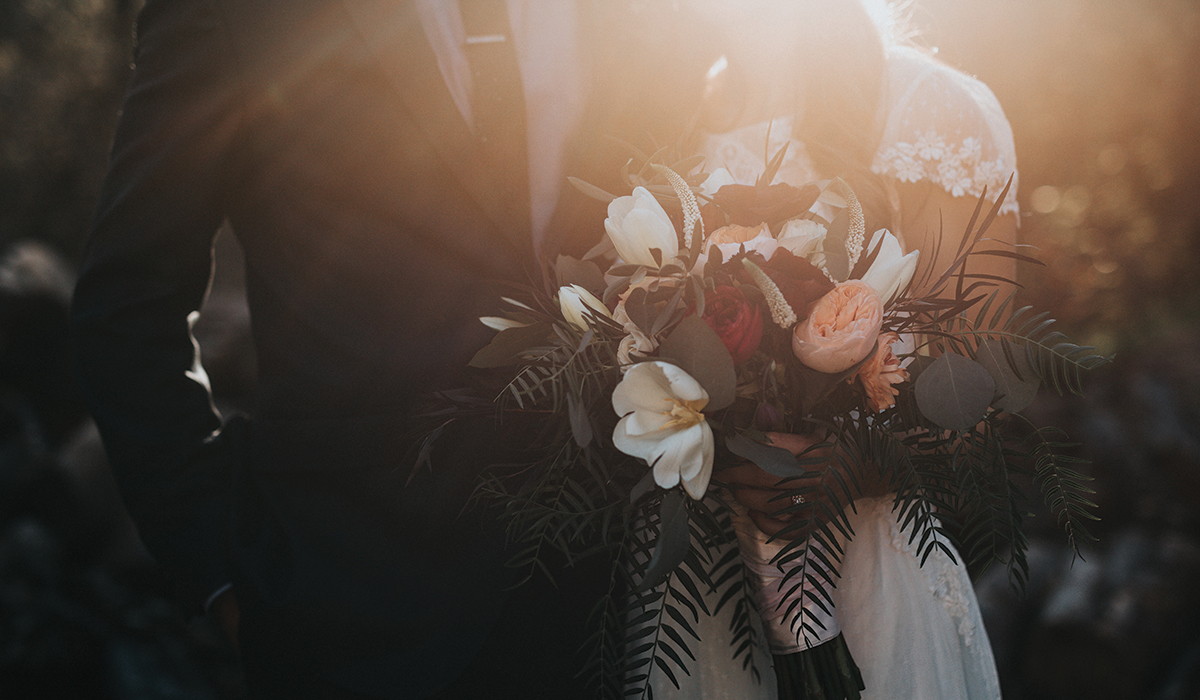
x: 500, y: 324
x: 592, y: 301
x: 646, y: 230
x: 632, y: 445
x: 908, y: 266
x: 697, y: 484
x: 715, y: 181
x: 682, y: 454
x: 572, y: 308
x: 664, y: 476
x: 619, y: 207
x: 801, y: 236
x: 681, y: 384
x: 644, y: 387
x: 889, y: 248
x: 644, y: 422
x: 694, y: 437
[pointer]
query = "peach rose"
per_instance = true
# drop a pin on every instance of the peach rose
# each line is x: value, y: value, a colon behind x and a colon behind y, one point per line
x: 881, y: 373
x: 841, y: 328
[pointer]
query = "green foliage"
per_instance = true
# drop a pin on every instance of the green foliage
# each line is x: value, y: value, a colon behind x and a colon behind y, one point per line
x: 942, y: 448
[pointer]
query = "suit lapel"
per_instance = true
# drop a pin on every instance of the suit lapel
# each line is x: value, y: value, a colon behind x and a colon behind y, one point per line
x: 393, y: 32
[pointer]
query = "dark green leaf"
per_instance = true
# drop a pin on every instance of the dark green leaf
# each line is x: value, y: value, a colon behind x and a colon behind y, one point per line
x: 508, y: 344
x: 640, y: 310
x: 584, y: 273
x: 643, y: 487
x: 1016, y: 384
x: 673, y: 539
x: 954, y: 392
x: 773, y: 460
x: 697, y: 350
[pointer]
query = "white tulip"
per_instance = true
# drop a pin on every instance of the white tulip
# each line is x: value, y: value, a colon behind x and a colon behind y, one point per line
x: 575, y: 302
x: 636, y: 224
x: 891, y: 270
x: 661, y: 422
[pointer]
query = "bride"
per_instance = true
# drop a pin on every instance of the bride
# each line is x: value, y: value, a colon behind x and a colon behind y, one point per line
x: 918, y: 142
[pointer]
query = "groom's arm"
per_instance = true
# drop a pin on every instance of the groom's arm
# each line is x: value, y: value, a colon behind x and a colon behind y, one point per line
x: 145, y: 271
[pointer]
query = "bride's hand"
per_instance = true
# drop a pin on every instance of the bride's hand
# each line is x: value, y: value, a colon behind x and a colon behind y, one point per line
x: 762, y: 494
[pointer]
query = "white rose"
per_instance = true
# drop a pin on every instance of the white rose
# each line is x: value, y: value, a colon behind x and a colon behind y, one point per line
x: 802, y: 237
x: 636, y: 224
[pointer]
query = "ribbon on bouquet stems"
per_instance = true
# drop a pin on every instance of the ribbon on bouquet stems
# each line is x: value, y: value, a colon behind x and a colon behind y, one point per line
x: 812, y: 662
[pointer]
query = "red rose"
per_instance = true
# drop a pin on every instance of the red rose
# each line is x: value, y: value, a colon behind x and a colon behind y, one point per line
x: 737, y: 322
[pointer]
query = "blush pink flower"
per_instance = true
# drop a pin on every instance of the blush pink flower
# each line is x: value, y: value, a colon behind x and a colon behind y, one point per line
x: 841, y: 329
x: 880, y: 374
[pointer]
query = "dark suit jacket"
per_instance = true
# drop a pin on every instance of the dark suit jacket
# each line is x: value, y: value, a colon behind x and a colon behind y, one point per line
x: 373, y: 237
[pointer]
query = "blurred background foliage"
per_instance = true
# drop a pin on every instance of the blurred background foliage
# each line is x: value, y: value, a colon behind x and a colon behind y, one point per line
x: 1104, y: 99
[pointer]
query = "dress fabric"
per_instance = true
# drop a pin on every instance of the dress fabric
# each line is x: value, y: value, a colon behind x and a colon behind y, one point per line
x: 915, y: 631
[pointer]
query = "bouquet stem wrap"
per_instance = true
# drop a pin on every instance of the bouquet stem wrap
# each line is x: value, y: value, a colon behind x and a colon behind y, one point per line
x: 811, y: 661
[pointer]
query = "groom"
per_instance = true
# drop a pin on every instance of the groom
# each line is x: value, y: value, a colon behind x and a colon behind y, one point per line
x: 371, y: 157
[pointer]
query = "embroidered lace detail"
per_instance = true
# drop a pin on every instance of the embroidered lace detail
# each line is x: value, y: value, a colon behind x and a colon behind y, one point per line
x: 959, y: 168
x: 943, y: 578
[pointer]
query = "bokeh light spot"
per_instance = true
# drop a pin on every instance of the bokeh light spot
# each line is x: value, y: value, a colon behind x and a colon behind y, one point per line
x: 1045, y: 199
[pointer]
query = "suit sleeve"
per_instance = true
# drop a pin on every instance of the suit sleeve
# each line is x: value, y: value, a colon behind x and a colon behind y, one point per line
x: 145, y: 273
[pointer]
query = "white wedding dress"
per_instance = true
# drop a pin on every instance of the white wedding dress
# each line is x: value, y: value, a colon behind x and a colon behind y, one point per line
x: 915, y: 631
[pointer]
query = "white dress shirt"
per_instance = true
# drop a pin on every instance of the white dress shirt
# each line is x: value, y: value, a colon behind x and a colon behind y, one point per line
x: 549, y: 61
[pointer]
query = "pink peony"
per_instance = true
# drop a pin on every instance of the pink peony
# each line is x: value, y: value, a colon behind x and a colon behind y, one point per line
x: 840, y: 330
x: 881, y: 373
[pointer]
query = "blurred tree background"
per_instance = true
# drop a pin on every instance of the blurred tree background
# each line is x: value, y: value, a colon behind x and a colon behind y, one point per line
x: 1104, y: 99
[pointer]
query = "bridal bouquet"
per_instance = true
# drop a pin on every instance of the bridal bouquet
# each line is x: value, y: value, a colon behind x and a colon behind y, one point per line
x: 710, y: 314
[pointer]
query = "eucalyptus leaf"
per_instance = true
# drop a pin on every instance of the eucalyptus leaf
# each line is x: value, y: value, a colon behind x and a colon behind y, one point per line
x: 697, y: 350
x: 586, y: 274
x: 506, y: 347
x: 1016, y: 383
x: 640, y: 310
x: 771, y: 459
x: 954, y: 392
x: 673, y: 539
